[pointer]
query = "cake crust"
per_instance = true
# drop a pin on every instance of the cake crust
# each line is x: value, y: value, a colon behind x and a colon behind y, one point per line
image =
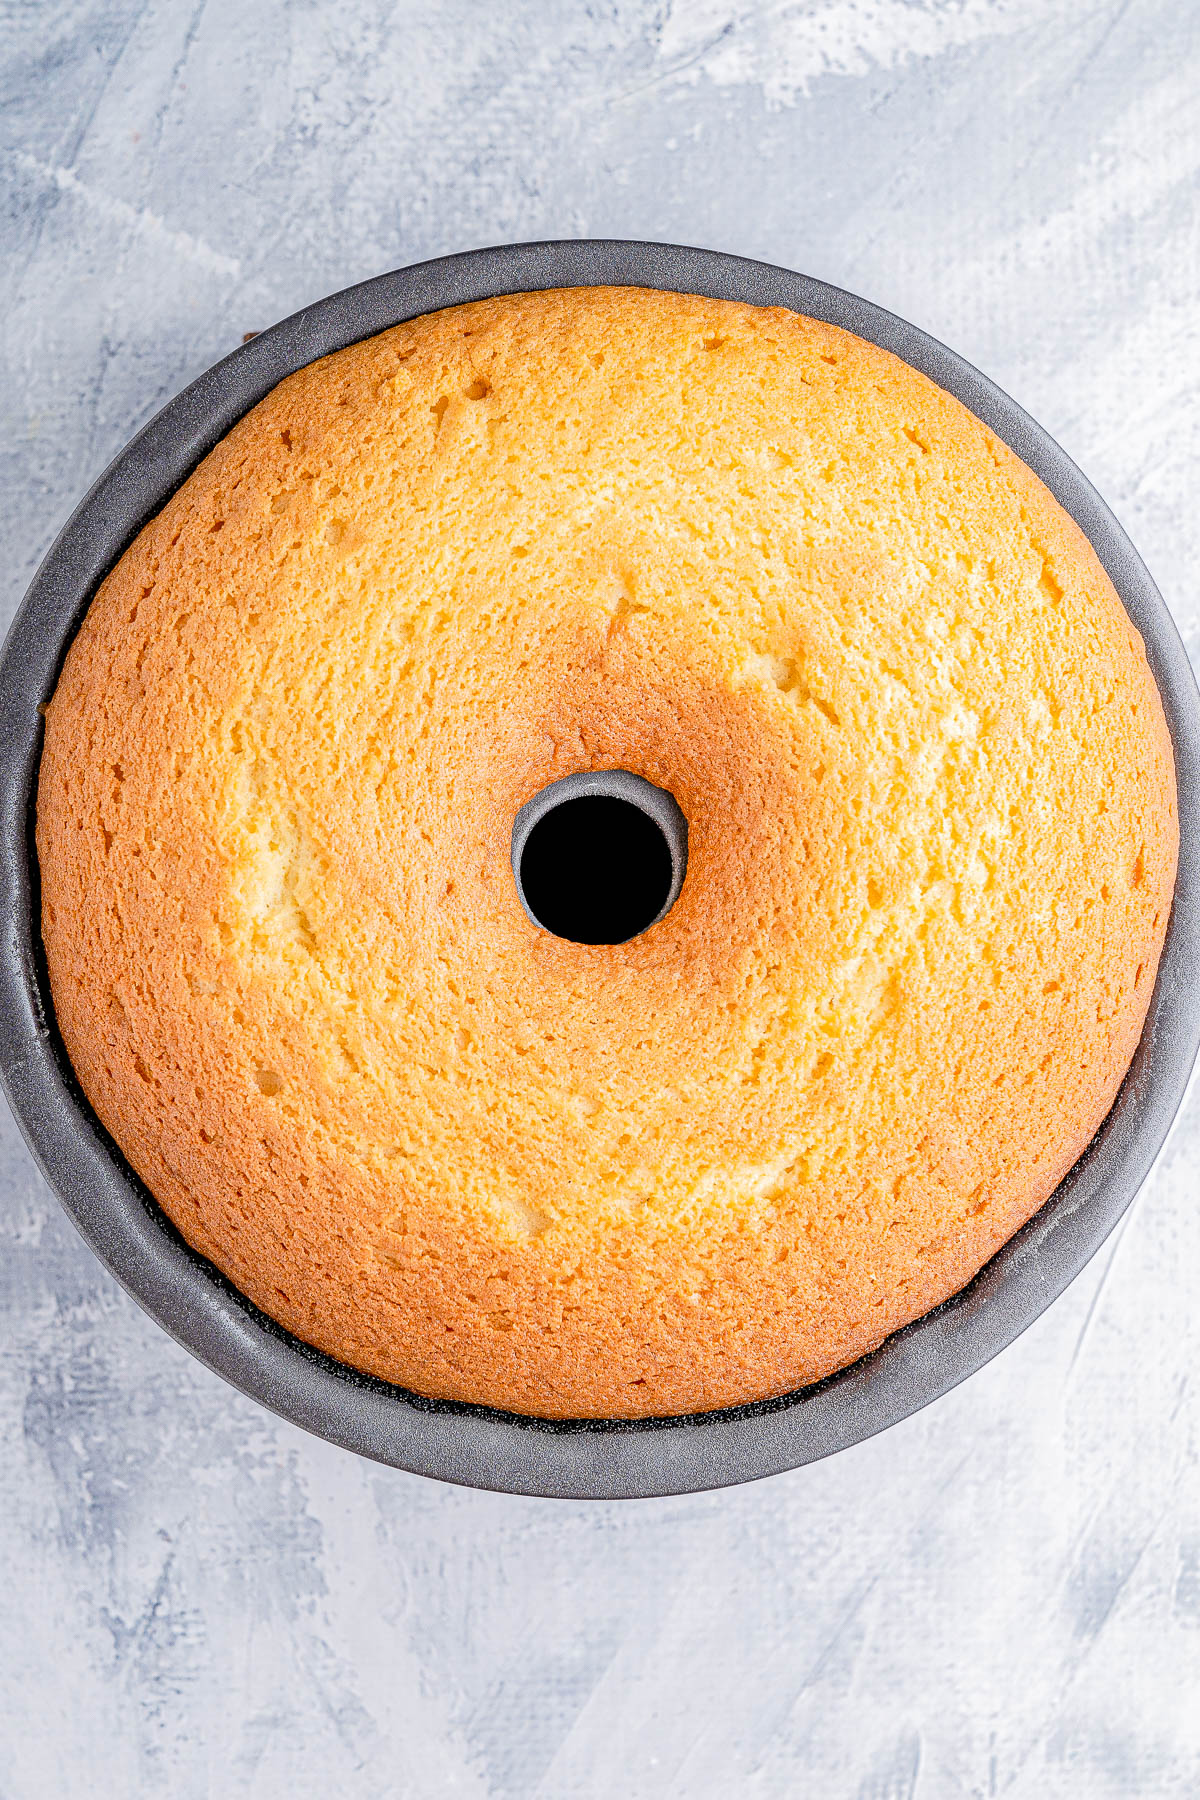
x: 932, y: 844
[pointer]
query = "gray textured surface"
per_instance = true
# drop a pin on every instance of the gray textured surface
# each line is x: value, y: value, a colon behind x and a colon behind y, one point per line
x: 1001, y: 1596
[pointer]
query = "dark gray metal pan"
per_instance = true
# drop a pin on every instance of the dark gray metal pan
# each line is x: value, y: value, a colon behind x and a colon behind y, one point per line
x: 484, y: 1448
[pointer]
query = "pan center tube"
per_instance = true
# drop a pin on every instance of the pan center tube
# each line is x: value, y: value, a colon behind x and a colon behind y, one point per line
x: 599, y: 858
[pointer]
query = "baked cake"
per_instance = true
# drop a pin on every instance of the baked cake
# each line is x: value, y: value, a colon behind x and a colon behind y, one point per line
x: 930, y: 808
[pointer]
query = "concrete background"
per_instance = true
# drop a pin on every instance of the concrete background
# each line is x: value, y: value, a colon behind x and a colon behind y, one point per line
x: 1000, y: 1597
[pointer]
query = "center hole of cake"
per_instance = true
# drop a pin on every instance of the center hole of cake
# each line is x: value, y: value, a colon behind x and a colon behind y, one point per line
x: 600, y: 858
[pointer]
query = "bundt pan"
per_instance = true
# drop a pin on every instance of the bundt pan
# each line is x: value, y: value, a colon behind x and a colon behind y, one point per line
x: 470, y: 1444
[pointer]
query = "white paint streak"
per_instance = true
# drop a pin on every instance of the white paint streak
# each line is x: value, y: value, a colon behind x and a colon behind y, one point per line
x: 785, y: 46
x: 1135, y: 168
x: 137, y: 219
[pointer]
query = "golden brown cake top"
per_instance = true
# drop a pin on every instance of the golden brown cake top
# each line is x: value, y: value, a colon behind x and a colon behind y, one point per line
x: 930, y: 803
